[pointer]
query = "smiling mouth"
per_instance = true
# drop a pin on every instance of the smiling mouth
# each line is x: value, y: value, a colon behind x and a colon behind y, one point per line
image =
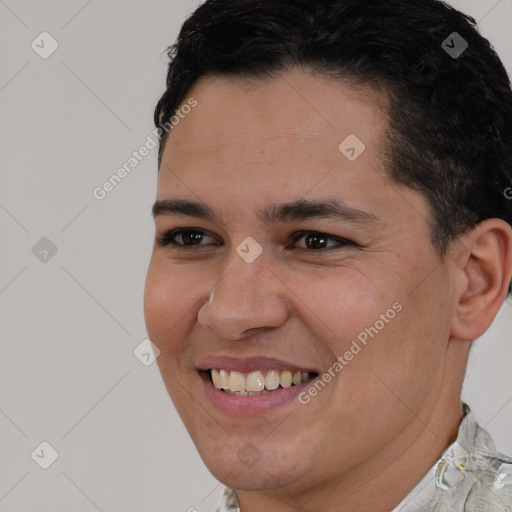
x: 258, y: 382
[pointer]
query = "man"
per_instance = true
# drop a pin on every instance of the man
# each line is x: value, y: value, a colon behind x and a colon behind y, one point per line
x: 332, y: 233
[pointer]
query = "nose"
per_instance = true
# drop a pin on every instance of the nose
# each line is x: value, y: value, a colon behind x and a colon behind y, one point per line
x: 247, y: 298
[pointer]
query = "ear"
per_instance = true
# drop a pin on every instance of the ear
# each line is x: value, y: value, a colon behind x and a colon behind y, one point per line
x: 483, y: 276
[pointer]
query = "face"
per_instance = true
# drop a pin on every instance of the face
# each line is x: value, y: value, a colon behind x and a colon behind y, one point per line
x: 298, y: 255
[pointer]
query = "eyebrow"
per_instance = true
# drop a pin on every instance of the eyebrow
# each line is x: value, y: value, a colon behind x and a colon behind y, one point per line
x: 273, y: 214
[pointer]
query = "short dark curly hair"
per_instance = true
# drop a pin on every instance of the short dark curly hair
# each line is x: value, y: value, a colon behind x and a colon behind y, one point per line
x: 450, y: 117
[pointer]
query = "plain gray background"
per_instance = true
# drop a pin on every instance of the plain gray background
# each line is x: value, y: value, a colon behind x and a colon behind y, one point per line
x: 70, y: 321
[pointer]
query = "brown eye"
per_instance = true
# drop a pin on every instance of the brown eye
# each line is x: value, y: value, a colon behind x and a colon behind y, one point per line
x: 314, y: 240
x: 184, y: 237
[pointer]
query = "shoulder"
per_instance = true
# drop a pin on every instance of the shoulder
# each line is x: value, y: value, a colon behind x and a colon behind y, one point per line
x: 229, y: 502
x: 472, y: 475
x: 492, y: 472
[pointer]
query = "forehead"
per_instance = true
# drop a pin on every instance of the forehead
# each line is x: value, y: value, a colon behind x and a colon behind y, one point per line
x: 295, y: 119
x: 280, y: 112
x: 250, y: 143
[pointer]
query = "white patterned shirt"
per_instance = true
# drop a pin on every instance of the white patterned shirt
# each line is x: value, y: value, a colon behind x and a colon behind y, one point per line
x: 470, y: 476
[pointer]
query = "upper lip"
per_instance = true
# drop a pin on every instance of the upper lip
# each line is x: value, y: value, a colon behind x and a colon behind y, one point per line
x: 248, y: 364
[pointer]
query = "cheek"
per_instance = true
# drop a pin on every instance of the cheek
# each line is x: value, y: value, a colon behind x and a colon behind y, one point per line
x: 167, y: 300
x: 369, y: 320
x: 168, y: 312
x: 337, y: 307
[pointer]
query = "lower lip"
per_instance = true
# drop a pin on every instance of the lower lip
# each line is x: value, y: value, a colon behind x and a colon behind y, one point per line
x: 248, y: 405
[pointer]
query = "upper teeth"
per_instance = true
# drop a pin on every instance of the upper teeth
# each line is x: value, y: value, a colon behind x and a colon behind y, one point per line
x: 255, y: 382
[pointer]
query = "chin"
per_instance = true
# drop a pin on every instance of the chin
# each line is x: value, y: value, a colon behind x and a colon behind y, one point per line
x: 251, y: 480
x: 253, y: 467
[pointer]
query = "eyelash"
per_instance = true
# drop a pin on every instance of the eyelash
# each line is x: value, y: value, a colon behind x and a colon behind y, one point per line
x: 167, y: 239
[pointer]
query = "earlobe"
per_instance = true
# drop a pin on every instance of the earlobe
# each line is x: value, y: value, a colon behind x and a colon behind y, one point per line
x: 484, y: 274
